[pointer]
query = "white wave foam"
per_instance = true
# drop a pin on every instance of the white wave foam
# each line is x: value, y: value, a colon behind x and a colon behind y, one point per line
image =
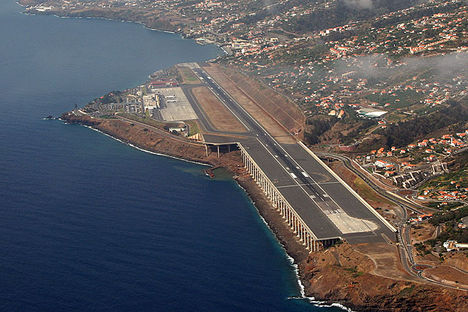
x: 331, y: 305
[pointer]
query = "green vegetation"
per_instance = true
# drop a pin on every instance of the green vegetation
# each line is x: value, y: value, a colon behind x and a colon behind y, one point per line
x: 193, y: 127
x: 450, y: 221
x: 187, y: 76
x: 447, y: 206
x: 422, y: 248
x: 354, y: 271
x: 458, y: 174
x: 449, y: 216
x: 405, y: 132
x: 368, y: 193
x: 111, y: 97
x: 407, y: 291
x: 108, y: 116
x: 340, y: 13
x: 317, y: 126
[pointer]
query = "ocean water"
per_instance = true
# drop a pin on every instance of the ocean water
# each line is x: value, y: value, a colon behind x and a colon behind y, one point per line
x: 90, y: 224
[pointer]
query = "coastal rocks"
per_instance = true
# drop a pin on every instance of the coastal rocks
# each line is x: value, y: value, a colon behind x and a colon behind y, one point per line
x: 82, y: 120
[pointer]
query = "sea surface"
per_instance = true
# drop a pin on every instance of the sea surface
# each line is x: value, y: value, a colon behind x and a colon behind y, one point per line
x: 90, y: 224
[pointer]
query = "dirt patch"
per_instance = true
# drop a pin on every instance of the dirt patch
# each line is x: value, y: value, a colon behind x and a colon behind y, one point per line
x: 265, y: 118
x: 458, y: 260
x: 386, y: 260
x: 156, y: 140
x: 280, y: 108
x: 422, y: 232
x: 448, y: 274
x: 220, y: 117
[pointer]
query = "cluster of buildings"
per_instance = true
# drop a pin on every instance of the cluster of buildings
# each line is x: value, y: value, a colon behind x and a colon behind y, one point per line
x: 306, y: 66
x: 410, y: 165
x: 147, y: 100
x: 456, y: 193
x: 413, y: 35
x: 325, y: 75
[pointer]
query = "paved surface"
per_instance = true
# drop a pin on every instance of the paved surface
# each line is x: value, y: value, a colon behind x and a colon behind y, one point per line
x: 175, y: 106
x: 325, y: 204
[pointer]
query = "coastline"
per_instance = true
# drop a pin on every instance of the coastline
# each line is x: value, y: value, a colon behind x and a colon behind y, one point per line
x: 336, y: 277
x: 305, y: 271
x: 293, y: 248
x: 104, y: 18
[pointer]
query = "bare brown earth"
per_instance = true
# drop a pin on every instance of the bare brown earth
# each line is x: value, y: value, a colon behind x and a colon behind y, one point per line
x: 264, y: 115
x: 386, y: 261
x: 276, y: 105
x: 422, y: 232
x: 458, y: 260
x: 364, y: 277
x: 448, y: 274
x: 220, y: 117
x: 353, y: 280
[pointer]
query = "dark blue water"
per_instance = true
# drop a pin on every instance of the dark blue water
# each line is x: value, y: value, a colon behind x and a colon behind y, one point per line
x: 90, y: 224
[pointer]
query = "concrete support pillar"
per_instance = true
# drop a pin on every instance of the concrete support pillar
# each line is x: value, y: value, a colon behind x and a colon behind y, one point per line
x: 277, y: 200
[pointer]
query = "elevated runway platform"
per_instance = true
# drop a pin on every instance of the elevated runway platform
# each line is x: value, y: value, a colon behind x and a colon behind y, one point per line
x: 315, y: 202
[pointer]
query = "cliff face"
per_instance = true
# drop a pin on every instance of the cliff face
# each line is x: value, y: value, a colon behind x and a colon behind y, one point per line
x: 343, y: 273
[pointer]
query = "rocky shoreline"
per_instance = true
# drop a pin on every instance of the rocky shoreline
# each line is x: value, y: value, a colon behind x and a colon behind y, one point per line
x: 339, y: 274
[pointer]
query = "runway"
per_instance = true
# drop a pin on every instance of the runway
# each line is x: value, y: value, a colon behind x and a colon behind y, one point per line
x: 321, y: 199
